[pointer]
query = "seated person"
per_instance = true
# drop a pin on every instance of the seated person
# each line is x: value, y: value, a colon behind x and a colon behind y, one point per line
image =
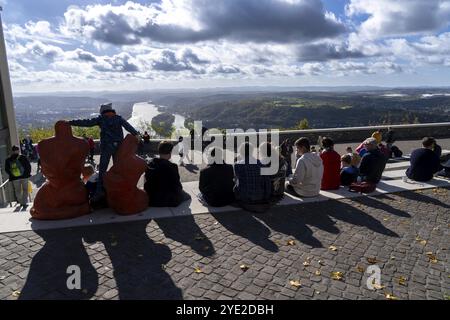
x: 356, y: 159
x: 90, y: 177
x: 278, y: 180
x: 331, y: 160
x: 424, y: 162
x: 437, y: 149
x: 373, y: 163
x: 307, y: 178
x: 217, y: 181
x: 252, y: 189
x: 349, y: 172
x: 162, y: 180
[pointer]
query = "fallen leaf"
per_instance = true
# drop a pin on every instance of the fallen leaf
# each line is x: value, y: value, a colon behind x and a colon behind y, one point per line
x: 390, y: 296
x: 333, y: 248
x: 372, y: 260
x: 337, y: 275
x: 321, y: 263
x: 432, y: 258
x: 385, y: 219
x: 360, y: 269
x: 393, y: 258
x: 198, y: 270
x: 418, y: 238
x: 295, y: 283
x: 2, y: 278
x: 16, y: 293
x: 306, y: 264
x: 291, y: 243
x: 377, y: 286
x: 402, y: 281
x: 244, y: 267
x: 423, y: 242
x: 318, y: 273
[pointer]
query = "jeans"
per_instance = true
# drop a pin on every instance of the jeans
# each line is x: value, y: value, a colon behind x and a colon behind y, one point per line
x: 20, y: 190
x: 107, y: 152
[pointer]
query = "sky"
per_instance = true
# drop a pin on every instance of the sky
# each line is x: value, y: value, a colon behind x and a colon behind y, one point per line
x: 77, y: 45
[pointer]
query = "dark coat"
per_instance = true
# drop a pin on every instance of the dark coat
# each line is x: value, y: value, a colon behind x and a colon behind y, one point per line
x: 372, y: 166
x: 162, y: 184
x: 216, y: 184
x: 424, y: 164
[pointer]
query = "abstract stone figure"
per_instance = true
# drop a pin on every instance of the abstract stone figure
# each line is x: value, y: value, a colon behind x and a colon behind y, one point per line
x: 121, y: 180
x: 62, y: 160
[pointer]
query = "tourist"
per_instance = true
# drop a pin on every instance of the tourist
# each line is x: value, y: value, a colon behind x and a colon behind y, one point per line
x: 181, y: 151
x: 390, y: 140
x: 331, y: 160
x: 349, y: 172
x: 217, y: 181
x: 307, y: 178
x: 286, y: 151
x: 278, y: 180
x: 162, y: 180
x: 146, y: 137
x: 18, y: 169
x: 425, y: 163
x: 252, y: 189
x: 437, y: 149
x: 373, y: 163
x: 111, y: 137
x: 349, y: 150
x: 90, y: 179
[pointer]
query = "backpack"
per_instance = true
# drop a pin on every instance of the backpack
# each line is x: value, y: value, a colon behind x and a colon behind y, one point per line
x: 363, y: 187
x: 397, y: 152
x: 17, y: 169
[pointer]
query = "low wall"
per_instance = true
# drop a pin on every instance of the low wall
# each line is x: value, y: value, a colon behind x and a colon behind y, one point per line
x: 345, y: 135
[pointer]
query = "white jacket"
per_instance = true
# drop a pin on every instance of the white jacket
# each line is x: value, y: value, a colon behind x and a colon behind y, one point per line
x: 307, y: 178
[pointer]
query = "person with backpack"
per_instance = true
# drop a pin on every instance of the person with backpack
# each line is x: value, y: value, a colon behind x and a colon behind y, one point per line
x: 111, y: 138
x: 18, y: 169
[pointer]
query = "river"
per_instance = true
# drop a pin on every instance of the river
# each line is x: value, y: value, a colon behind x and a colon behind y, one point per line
x: 143, y: 114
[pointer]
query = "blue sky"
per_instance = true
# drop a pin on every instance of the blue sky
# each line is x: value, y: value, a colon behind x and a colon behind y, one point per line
x: 68, y: 45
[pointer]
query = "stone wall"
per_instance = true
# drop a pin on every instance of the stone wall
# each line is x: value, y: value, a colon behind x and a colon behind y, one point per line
x: 351, y: 135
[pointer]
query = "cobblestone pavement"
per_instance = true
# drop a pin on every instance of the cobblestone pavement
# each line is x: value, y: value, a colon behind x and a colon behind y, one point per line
x: 158, y: 259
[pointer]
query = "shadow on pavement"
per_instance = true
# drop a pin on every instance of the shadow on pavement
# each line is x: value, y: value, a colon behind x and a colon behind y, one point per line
x: 245, y: 225
x: 137, y: 264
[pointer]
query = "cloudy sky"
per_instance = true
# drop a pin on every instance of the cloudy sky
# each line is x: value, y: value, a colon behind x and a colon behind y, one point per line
x: 127, y: 45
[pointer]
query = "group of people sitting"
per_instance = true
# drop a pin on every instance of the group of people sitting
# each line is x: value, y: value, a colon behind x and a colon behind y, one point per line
x: 244, y: 185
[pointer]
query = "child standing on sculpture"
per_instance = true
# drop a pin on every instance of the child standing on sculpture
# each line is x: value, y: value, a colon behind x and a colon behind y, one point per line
x: 111, y: 137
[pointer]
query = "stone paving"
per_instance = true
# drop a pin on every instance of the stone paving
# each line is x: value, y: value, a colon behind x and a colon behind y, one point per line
x: 244, y: 256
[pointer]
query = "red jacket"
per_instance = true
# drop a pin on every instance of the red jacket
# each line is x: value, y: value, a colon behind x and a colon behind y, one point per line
x: 331, y: 179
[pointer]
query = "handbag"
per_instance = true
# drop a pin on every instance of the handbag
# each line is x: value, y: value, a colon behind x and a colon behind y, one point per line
x: 363, y: 187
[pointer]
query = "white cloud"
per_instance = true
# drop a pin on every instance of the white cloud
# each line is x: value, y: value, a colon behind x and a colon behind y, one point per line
x: 400, y: 17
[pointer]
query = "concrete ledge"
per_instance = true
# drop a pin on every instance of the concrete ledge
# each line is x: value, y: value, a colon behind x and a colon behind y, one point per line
x: 11, y: 221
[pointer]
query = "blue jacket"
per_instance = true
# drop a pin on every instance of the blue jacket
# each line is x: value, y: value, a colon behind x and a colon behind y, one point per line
x: 110, y: 126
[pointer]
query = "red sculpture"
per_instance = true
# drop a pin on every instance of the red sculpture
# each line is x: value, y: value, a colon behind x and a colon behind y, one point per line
x: 121, y: 180
x: 62, y: 160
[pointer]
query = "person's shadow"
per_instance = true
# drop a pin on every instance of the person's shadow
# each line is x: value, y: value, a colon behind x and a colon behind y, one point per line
x: 48, y: 273
x: 244, y: 224
x: 186, y: 231
x: 138, y: 263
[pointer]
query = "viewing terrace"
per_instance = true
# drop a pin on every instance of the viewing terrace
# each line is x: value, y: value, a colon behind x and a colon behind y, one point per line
x: 316, y: 248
